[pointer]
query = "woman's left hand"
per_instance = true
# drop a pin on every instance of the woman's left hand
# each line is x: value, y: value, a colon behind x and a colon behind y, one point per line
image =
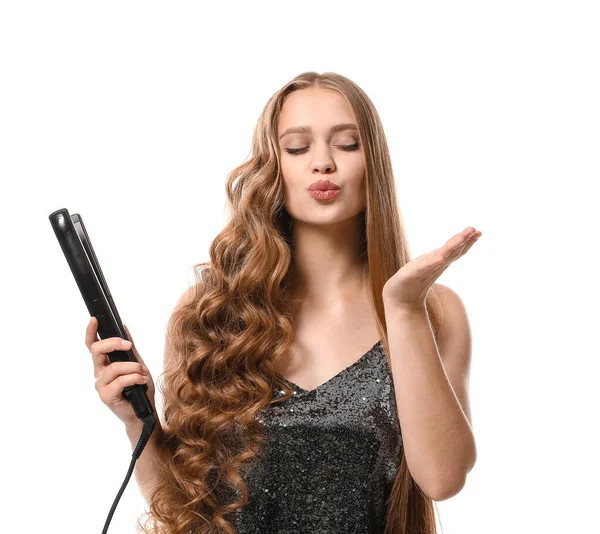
x: 408, y: 288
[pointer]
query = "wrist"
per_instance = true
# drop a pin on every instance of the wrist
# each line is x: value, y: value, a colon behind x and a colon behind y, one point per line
x: 134, y: 426
x: 404, y: 308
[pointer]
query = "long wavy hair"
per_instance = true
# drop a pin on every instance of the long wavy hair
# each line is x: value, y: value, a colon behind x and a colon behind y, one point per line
x: 238, y: 321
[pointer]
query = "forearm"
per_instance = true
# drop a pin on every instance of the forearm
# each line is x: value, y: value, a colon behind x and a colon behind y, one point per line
x: 438, y: 441
x: 145, y: 471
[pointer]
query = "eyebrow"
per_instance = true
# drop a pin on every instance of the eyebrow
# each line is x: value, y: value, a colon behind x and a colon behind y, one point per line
x: 307, y: 129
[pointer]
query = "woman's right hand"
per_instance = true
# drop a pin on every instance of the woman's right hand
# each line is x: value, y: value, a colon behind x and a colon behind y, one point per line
x: 112, y: 378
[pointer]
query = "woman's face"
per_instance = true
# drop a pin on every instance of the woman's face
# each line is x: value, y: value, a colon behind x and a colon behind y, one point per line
x: 320, y: 153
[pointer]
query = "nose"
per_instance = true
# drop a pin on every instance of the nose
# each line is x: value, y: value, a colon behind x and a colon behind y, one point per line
x: 326, y: 168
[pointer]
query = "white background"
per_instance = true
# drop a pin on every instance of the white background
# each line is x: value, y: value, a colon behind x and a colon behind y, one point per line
x: 132, y: 114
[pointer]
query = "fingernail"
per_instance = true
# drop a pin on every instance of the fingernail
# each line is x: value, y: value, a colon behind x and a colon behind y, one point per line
x: 125, y: 343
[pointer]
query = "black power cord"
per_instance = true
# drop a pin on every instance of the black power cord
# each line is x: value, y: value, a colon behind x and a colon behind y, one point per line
x: 149, y: 425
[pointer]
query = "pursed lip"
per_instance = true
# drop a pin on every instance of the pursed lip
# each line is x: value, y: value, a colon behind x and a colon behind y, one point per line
x: 322, y: 185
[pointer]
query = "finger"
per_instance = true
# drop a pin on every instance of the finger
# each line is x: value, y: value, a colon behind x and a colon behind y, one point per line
x: 470, y: 243
x: 113, y: 392
x: 454, y: 253
x: 459, y: 239
x: 129, y: 336
x: 102, y: 349
x: 99, y: 348
x: 133, y: 347
x: 453, y: 243
x: 117, y: 369
x: 93, y: 340
x: 91, y: 333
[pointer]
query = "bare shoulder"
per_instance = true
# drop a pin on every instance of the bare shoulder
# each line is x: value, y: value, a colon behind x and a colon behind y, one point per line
x: 443, y: 291
x: 455, y: 321
x: 452, y: 304
x: 454, y: 343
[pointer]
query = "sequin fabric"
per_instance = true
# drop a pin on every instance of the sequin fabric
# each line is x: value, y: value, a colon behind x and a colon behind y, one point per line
x: 329, y: 458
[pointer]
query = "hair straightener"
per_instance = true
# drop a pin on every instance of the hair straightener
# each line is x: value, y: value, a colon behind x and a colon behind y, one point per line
x: 77, y: 248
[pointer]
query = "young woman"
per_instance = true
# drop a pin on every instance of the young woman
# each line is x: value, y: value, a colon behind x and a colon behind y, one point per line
x: 315, y: 376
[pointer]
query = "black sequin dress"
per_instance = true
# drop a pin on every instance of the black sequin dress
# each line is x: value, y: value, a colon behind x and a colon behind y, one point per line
x: 329, y: 458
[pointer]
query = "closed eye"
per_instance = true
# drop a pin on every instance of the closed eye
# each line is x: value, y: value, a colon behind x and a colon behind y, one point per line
x: 356, y: 146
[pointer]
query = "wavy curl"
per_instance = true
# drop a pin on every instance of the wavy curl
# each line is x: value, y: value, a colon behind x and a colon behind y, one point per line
x: 237, y: 322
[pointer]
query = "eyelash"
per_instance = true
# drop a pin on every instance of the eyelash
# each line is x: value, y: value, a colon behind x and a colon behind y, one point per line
x: 348, y: 148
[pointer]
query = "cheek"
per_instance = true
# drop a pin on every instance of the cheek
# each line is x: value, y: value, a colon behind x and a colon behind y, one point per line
x: 293, y: 179
x: 287, y: 185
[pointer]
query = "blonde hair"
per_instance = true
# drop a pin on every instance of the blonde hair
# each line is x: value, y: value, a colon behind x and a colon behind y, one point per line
x: 238, y: 321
